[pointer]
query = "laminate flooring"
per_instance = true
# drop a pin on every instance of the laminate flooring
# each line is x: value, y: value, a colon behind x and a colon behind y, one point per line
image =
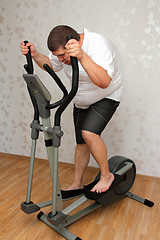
x: 123, y: 220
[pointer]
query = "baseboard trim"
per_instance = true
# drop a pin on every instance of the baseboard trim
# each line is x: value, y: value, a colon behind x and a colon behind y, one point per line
x: 22, y: 157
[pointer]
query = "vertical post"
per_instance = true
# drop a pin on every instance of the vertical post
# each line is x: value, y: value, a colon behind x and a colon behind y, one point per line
x: 31, y: 168
x: 54, y: 183
x: 53, y: 153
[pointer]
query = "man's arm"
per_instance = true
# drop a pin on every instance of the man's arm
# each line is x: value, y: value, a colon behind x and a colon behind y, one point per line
x: 96, y: 73
x: 41, y: 59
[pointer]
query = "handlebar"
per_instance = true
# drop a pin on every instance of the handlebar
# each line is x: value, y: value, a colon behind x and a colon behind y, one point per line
x: 29, y: 69
x: 74, y: 88
x: 59, y: 83
x: 67, y: 98
x: 29, y: 66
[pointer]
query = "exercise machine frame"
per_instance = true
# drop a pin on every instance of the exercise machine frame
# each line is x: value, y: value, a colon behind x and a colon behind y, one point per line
x: 123, y: 168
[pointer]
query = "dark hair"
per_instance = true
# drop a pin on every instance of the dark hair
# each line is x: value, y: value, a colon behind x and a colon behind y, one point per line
x: 57, y: 37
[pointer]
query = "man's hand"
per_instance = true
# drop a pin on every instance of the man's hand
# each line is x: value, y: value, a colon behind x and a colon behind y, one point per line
x: 74, y: 49
x: 39, y: 58
x: 25, y: 50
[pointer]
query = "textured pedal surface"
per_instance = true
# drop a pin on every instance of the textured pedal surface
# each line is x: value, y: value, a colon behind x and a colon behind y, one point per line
x: 71, y: 193
x: 94, y: 195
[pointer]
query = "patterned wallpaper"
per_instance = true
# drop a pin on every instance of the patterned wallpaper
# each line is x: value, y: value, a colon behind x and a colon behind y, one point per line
x: 134, y: 29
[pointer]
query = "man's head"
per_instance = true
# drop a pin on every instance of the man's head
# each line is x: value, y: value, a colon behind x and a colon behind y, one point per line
x: 57, y: 40
x: 57, y: 37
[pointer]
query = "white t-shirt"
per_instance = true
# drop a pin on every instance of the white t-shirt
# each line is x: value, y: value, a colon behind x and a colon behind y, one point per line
x: 101, y: 52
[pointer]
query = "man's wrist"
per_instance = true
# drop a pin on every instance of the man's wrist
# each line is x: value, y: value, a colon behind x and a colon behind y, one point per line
x: 82, y: 58
x: 35, y: 54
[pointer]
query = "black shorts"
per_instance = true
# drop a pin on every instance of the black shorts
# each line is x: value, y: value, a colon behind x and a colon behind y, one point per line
x: 93, y: 119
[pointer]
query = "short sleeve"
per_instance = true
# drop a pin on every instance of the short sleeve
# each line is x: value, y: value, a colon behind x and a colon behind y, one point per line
x: 103, y: 55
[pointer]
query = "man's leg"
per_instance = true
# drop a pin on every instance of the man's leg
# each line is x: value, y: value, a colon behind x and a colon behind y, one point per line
x: 82, y: 156
x: 99, y: 152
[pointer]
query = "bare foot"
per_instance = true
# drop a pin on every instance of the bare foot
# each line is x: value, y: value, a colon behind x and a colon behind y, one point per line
x: 73, y: 187
x: 104, y: 183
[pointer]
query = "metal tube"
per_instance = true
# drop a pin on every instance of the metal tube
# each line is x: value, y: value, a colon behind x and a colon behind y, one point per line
x: 135, y: 197
x: 52, y: 153
x: 59, y: 229
x: 82, y: 213
x: 54, y: 183
x: 74, y: 205
x: 44, y: 204
x: 31, y: 168
x: 125, y: 168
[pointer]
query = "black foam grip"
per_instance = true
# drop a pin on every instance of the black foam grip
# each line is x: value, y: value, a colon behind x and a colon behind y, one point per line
x: 56, y: 78
x: 29, y: 66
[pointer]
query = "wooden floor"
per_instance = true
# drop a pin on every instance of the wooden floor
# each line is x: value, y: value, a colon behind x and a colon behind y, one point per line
x: 124, y: 220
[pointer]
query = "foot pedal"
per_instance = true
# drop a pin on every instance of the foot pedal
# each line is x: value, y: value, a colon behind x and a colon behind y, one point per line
x: 71, y: 193
x: 104, y: 198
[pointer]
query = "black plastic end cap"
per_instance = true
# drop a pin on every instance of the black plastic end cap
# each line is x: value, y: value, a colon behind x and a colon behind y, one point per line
x: 25, y: 42
x: 40, y: 215
x: 69, y: 37
x: 148, y: 203
x: 78, y: 238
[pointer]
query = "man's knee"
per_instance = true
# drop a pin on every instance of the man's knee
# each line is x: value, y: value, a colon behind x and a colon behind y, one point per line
x: 82, y: 149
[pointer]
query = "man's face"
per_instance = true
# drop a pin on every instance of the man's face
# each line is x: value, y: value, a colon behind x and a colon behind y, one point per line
x: 62, y: 55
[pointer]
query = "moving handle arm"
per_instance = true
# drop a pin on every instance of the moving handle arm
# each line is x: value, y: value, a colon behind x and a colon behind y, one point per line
x: 29, y: 69
x: 59, y: 83
x: 74, y: 88
x: 67, y: 98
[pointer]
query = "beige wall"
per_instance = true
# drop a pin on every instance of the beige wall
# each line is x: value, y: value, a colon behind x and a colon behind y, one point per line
x: 133, y: 27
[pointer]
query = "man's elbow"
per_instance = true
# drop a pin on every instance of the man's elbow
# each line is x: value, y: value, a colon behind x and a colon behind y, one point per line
x: 106, y: 83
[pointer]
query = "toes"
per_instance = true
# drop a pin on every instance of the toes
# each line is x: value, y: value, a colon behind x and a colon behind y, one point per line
x: 104, y: 189
x: 93, y: 189
x: 101, y: 190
